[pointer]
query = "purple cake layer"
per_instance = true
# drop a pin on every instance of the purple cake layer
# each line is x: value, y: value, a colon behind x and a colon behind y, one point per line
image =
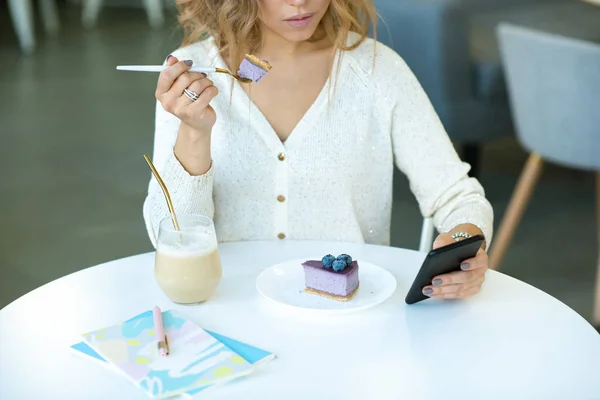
x: 327, y: 280
x: 251, y: 71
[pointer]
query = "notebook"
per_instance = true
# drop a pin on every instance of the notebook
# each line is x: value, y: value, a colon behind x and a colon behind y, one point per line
x: 253, y: 355
x: 198, y: 360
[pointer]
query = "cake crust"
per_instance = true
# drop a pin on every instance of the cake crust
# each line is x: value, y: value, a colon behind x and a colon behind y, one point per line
x: 333, y: 296
x: 258, y: 62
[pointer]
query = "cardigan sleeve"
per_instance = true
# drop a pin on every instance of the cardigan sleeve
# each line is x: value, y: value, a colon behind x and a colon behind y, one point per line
x: 424, y: 153
x: 189, y: 194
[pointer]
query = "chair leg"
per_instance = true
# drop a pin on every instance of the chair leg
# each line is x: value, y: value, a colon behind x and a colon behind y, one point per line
x: 22, y: 16
x: 516, y: 207
x: 91, y: 10
x: 50, y: 16
x: 427, y: 234
x: 154, y: 9
x: 596, y: 315
x: 472, y: 156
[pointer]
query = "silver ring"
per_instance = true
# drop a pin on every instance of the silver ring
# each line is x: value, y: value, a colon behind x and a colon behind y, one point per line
x: 193, y: 96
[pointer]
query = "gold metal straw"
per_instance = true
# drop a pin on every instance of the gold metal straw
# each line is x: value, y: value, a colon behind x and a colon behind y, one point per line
x: 165, y: 191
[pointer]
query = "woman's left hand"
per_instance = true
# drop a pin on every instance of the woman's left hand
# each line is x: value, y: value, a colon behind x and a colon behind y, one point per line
x: 460, y: 284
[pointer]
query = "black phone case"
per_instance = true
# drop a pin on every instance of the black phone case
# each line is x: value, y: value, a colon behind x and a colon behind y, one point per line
x: 442, y: 261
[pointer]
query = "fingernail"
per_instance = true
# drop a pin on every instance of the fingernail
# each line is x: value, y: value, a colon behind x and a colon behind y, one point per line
x: 464, y: 266
x: 206, y: 76
x: 437, y: 282
x: 427, y: 291
x: 188, y: 63
x: 169, y: 57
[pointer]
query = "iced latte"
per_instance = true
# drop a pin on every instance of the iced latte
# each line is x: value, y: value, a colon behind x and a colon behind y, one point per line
x: 188, y: 266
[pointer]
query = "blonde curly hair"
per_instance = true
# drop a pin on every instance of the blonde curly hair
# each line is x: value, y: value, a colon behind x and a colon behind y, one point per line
x: 233, y: 24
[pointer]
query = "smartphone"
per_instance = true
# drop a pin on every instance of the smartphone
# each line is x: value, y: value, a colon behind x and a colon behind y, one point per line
x: 442, y: 261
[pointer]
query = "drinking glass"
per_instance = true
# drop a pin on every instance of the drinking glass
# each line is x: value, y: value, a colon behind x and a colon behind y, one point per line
x: 187, y: 266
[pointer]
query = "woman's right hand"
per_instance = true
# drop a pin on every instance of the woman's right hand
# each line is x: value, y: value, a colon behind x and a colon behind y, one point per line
x: 197, y: 115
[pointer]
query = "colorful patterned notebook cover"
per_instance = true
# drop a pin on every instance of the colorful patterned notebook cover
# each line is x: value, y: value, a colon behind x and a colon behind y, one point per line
x: 198, y: 360
x: 253, y: 355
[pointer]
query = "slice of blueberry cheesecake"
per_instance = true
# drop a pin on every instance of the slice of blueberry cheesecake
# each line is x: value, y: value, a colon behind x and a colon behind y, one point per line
x: 332, y: 277
x: 253, y: 68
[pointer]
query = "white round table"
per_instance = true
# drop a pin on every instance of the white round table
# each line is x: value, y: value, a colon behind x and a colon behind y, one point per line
x: 510, y: 341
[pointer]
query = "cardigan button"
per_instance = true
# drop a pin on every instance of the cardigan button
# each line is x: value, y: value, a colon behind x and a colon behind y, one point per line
x: 281, y: 156
x: 281, y: 235
x: 281, y: 198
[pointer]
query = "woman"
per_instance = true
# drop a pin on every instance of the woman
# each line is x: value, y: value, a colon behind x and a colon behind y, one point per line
x: 308, y: 152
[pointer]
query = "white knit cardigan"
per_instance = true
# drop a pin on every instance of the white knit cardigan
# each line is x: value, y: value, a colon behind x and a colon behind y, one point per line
x: 332, y: 178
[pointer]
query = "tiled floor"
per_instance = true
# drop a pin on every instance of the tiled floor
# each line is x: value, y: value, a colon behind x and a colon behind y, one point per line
x: 73, y: 131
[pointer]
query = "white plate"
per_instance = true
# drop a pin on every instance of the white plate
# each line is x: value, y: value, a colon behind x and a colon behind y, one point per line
x: 284, y: 284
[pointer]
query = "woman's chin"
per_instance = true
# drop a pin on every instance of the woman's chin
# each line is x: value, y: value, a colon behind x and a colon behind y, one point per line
x: 297, y: 38
x: 298, y: 35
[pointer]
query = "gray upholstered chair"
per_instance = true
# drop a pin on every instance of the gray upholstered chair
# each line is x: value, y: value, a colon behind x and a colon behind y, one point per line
x: 452, y: 48
x: 554, y: 91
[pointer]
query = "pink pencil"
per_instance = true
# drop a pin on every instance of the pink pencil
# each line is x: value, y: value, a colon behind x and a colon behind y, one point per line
x: 159, y: 330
